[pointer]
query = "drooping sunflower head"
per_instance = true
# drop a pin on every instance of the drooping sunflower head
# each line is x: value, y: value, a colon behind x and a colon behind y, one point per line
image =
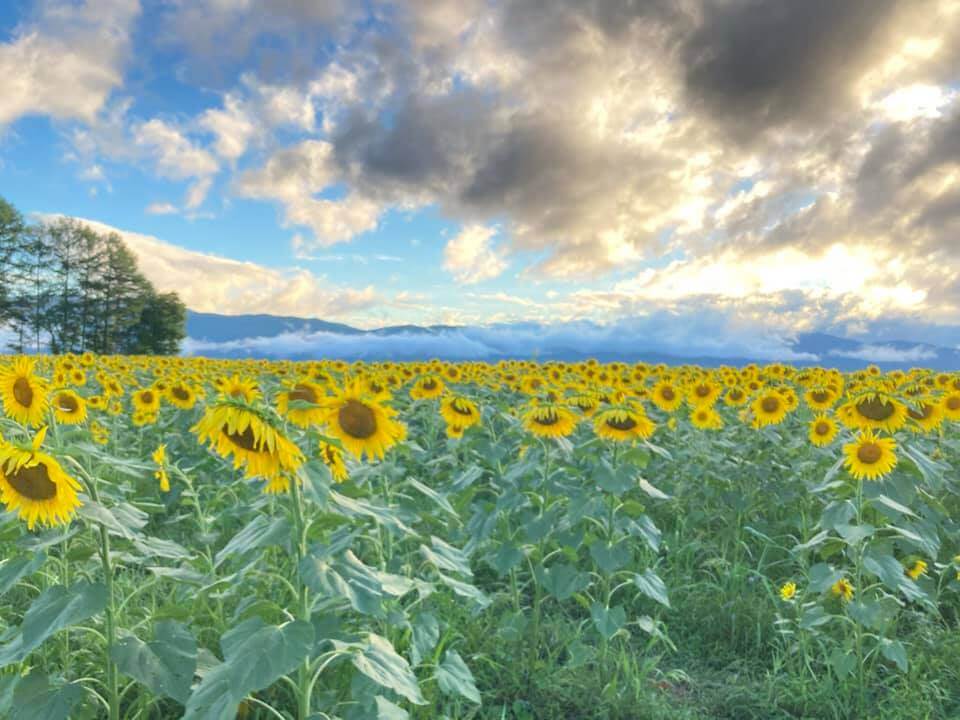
x: 301, y: 403
x: 363, y: 425
x: 820, y: 398
x: 870, y: 456
x: 823, y: 430
x: 549, y: 420
x: 254, y: 441
x: 925, y: 415
x: 586, y: 403
x: 460, y: 411
x: 34, y: 485
x: 873, y: 410
x: 24, y: 393
x: 623, y: 423
x: 69, y: 408
x: 332, y: 457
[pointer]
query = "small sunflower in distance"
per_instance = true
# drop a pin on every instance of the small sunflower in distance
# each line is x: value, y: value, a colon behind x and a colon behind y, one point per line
x: 788, y: 591
x: 460, y: 411
x: 427, y: 388
x: 360, y: 423
x: 823, y: 430
x: 549, y: 420
x: 33, y: 485
x: 24, y: 394
x: 234, y: 429
x: 69, y: 408
x: 706, y: 418
x: 146, y: 401
x: 870, y: 456
x: 666, y: 396
x: 916, y: 569
x: 622, y: 424
x: 842, y: 589
x: 182, y: 396
x: 332, y: 457
x: 769, y: 408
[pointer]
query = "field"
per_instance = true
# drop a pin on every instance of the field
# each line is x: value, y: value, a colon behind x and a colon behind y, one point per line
x: 249, y: 539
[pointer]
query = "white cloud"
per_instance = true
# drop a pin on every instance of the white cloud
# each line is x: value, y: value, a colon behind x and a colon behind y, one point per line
x: 68, y: 62
x: 470, y: 256
x: 888, y: 354
x: 209, y: 283
x: 161, y: 208
x: 176, y: 156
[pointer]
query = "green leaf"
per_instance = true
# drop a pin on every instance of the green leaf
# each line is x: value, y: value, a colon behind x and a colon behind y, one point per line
x: 608, y: 621
x: 891, y: 574
x: 435, y: 496
x: 14, y: 569
x: 259, y: 532
x: 652, y: 586
x: 821, y: 577
x: 855, y: 534
x: 455, y: 678
x: 387, y: 710
x: 463, y: 589
x: 506, y: 558
x: 446, y: 557
x: 895, y: 652
x: 348, y: 578
x: 643, y: 527
x: 651, y: 490
x: 123, y: 519
x: 426, y: 634
x: 814, y: 617
x: 55, y: 608
x: 380, y: 662
x: 255, y: 656
x: 839, y: 512
x: 892, y: 504
x: 561, y: 580
x: 34, y: 699
x: 610, y: 558
x: 165, y: 665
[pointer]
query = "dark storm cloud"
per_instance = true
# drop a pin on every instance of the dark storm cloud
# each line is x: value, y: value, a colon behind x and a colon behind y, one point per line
x: 757, y: 64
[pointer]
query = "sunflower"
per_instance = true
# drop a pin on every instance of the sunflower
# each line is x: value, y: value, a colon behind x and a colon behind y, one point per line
x: 788, y: 590
x: 361, y: 423
x: 843, y: 589
x: 926, y: 415
x: 332, y: 457
x: 309, y: 395
x: 69, y: 408
x: 454, y: 432
x: 870, y: 456
x: 823, y: 430
x: 706, y: 418
x: 181, y: 395
x: 769, y: 408
x: 916, y: 569
x: 549, y: 420
x: 33, y: 485
x: 460, y: 411
x: 160, y: 459
x: 587, y: 403
x: 239, y: 388
x: 735, y: 396
x: 427, y: 388
x: 24, y: 394
x: 146, y: 401
x: 100, y: 435
x: 666, y: 396
x: 233, y: 428
x: 703, y: 394
x: 623, y: 423
x: 873, y: 410
x: 951, y: 405
x: 820, y: 398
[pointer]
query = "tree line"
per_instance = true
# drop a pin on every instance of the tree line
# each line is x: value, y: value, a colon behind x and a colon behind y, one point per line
x: 66, y: 288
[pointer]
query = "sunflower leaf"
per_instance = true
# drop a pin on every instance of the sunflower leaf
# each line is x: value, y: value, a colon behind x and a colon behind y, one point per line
x: 165, y: 665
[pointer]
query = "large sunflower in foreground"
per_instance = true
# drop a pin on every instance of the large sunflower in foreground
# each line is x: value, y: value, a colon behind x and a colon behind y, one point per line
x: 33, y: 485
x: 549, y: 420
x: 235, y: 429
x: 24, y: 394
x: 870, y: 456
x: 363, y: 425
x: 622, y: 424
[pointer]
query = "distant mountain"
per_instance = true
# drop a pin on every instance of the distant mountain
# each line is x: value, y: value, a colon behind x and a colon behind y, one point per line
x: 302, y: 338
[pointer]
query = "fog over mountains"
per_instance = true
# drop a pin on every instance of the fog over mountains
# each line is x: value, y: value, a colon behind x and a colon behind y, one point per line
x: 641, y: 339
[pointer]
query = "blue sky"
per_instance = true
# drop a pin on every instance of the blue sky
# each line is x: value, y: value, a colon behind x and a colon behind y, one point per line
x: 472, y: 162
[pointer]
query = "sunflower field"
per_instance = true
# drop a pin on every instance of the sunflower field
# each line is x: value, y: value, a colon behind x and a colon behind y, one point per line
x: 213, y: 539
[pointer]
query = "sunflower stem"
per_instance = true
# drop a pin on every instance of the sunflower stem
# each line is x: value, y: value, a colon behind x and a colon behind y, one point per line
x: 304, y: 685
x: 113, y: 680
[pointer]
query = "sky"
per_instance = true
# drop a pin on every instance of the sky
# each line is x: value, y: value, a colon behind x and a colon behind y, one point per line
x: 741, y: 168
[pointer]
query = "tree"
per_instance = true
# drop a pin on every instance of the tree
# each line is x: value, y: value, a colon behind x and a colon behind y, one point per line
x: 11, y: 235
x: 161, y: 327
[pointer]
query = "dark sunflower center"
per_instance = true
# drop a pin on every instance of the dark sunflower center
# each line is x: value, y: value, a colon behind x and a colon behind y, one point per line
x: 770, y: 404
x: 67, y: 403
x: 736, y: 395
x: 246, y: 439
x: 822, y: 428
x: 429, y: 384
x: 180, y: 394
x: 357, y: 420
x: 303, y: 393
x: 377, y: 388
x: 869, y: 453
x: 923, y: 413
x: 33, y: 482
x: 147, y: 398
x: 667, y: 394
x: 953, y: 403
x: 876, y: 409
x: 462, y: 409
x: 820, y: 396
x: 547, y: 418
x: 23, y: 392
x: 703, y: 390
x: 628, y: 423
x: 535, y: 383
